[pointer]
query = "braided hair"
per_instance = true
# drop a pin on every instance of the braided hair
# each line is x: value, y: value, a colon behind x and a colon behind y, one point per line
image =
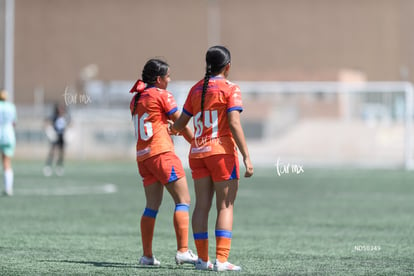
x: 205, y: 85
x: 217, y: 57
x: 152, y: 69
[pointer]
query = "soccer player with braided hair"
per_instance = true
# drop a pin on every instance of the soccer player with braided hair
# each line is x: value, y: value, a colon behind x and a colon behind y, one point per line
x: 215, y: 105
x: 151, y: 108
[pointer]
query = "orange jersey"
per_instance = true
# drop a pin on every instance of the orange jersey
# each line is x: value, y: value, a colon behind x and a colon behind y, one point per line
x: 150, y: 122
x: 212, y: 133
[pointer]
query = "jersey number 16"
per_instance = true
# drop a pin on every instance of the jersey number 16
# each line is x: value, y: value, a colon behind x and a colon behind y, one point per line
x: 143, y: 130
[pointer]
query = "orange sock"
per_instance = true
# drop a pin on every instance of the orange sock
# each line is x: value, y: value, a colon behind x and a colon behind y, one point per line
x: 223, y: 244
x: 181, y: 220
x: 201, y: 242
x: 147, y: 230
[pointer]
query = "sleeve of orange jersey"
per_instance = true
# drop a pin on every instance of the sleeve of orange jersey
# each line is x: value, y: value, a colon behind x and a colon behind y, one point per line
x: 168, y: 103
x: 188, y: 107
x: 234, y: 100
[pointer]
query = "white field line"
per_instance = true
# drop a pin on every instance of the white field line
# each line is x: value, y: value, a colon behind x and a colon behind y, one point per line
x: 106, y: 188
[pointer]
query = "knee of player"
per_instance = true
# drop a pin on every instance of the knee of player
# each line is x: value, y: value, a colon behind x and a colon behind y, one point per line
x: 185, y: 200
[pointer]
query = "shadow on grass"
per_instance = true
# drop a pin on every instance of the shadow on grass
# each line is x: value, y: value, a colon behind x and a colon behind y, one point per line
x: 122, y: 265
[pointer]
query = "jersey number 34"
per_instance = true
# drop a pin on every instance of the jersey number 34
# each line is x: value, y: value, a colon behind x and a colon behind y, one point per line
x: 210, y: 118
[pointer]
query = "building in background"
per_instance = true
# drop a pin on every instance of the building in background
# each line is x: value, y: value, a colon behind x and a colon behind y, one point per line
x: 87, y: 53
x: 269, y: 39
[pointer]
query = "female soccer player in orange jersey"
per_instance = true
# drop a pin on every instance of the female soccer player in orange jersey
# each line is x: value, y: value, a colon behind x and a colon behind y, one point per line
x: 151, y: 108
x: 215, y: 105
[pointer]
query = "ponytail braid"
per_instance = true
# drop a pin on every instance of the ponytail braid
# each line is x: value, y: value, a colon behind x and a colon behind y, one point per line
x: 136, y: 99
x: 138, y: 87
x: 217, y: 57
x: 152, y: 69
x: 205, y: 86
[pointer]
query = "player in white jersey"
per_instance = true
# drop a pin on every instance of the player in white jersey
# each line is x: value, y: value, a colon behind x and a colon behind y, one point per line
x: 7, y: 140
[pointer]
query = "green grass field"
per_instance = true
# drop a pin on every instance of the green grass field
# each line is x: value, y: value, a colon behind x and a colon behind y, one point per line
x: 321, y: 222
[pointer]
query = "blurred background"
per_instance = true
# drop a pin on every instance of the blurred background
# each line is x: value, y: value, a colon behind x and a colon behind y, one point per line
x: 324, y: 83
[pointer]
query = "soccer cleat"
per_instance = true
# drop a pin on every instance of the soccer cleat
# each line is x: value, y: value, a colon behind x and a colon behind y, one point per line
x: 60, y: 171
x: 47, y: 171
x: 187, y: 257
x: 202, y: 265
x: 149, y: 261
x: 7, y: 193
x: 226, y: 266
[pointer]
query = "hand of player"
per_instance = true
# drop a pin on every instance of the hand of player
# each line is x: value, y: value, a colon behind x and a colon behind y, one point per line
x: 171, y: 130
x: 249, y: 167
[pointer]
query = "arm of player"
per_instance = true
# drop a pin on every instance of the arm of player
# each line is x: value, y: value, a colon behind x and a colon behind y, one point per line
x: 180, y: 125
x: 238, y: 135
